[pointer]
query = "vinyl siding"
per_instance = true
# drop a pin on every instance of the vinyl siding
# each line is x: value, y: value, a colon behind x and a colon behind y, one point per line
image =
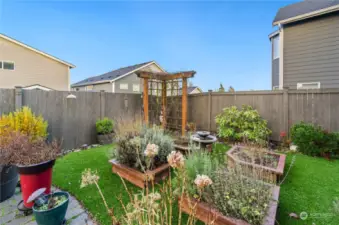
x: 31, y: 68
x: 107, y: 87
x: 133, y: 79
x: 311, y: 52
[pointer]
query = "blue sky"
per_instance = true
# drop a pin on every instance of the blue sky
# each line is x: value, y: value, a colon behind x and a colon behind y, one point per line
x: 224, y: 41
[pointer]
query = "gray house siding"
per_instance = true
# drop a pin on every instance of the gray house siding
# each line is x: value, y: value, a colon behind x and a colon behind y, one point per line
x: 133, y: 79
x: 311, y: 52
x: 275, y: 72
x: 128, y: 80
x: 107, y: 87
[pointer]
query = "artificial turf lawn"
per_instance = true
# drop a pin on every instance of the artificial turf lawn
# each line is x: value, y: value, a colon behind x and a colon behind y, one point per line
x: 311, y: 185
x: 67, y: 176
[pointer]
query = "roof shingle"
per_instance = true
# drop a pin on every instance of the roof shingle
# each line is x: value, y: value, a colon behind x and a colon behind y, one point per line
x: 303, y: 7
x: 106, y: 77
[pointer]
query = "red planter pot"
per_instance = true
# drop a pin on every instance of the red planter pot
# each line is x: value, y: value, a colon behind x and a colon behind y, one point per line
x: 34, y: 177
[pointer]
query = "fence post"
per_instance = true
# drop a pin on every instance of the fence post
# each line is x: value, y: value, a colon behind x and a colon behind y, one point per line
x: 102, y: 104
x: 286, y: 111
x: 126, y: 102
x: 209, y: 109
x: 18, y: 97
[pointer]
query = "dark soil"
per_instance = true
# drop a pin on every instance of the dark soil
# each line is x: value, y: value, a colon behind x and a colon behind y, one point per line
x: 257, y: 157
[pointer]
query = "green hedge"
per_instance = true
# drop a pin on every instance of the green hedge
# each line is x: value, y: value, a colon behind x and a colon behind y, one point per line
x: 104, y: 126
x: 313, y: 140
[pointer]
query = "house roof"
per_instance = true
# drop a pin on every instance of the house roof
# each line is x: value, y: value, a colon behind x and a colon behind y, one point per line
x: 192, y: 88
x: 305, y: 9
x: 36, y: 50
x: 273, y: 34
x: 37, y: 86
x: 113, y: 75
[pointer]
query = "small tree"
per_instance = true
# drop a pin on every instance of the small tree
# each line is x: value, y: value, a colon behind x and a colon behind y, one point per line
x: 221, y: 88
x: 231, y: 89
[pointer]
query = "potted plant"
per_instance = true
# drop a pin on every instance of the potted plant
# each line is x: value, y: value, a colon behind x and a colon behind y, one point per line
x: 49, y: 209
x: 8, y: 181
x: 105, y: 131
x: 142, y: 158
x: 34, y: 160
x: 23, y: 121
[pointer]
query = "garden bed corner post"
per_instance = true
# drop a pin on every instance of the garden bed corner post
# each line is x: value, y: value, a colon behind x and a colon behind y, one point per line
x: 164, y: 90
x: 184, y: 106
x: 145, y: 100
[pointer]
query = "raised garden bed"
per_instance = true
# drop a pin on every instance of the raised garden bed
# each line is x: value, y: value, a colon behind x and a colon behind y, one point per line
x: 139, y: 178
x: 264, y: 165
x: 181, y: 144
x: 205, y: 213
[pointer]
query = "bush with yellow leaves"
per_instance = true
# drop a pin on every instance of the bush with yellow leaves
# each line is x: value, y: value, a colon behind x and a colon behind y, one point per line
x: 25, y: 122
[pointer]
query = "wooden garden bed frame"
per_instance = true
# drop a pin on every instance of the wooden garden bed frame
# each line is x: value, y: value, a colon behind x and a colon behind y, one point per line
x: 163, y: 77
x: 138, y: 178
x: 269, y: 174
x: 203, y: 212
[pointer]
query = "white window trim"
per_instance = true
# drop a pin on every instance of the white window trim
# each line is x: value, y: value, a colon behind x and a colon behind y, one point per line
x: 136, y: 85
x: 87, y: 89
x: 113, y: 87
x: 7, y: 62
x: 299, y: 85
x: 123, y: 84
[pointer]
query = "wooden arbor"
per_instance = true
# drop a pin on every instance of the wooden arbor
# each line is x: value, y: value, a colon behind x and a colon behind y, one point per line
x: 166, y: 85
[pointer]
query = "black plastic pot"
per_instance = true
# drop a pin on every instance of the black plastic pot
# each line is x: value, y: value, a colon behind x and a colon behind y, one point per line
x: 8, y: 181
x: 105, y: 139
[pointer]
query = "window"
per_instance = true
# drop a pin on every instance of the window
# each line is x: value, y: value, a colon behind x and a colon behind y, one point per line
x: 311, y: 85
x: 275, y: 88
x: 7, y: 65
x: 124, y: 86
x: 136, y: 87
x: 89, y: 88
x: 77, y: 89
x: 276, y: 47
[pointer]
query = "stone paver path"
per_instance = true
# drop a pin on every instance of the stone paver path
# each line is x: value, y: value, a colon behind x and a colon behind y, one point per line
x: 9, y: 215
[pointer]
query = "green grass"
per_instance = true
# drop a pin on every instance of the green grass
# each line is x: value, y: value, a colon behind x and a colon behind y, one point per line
x: 67, y: 176
x: 311, y: 185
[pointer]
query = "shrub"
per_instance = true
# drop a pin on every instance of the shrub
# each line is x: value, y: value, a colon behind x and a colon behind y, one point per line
x: 241, y: 125
x: 25, y: 122
x: 157, y: 136
x: 237, y: 196
x: 128, y: 151
x: 104, y: 126
x: 199, y: 162
x: 313, y: 140
x: 19, y: 149
x: 130, y: 148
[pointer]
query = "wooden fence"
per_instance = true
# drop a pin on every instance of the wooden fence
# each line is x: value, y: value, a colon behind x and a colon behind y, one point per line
x: 281, y: 109
x: 73, y: 120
